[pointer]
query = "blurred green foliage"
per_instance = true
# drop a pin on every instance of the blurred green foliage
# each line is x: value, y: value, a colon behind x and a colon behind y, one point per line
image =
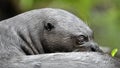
x: 113, y: 52
x: 26, y: 4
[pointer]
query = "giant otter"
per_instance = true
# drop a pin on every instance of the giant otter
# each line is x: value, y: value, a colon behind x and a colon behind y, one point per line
x: 44, y: 31
x: 48, y: 31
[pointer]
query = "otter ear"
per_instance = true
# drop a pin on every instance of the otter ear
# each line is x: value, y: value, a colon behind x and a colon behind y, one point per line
x: 49, y: 26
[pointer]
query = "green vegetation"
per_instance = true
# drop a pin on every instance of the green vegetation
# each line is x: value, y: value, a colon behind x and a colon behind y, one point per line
x: 114, y: 51
x: 26, y: 4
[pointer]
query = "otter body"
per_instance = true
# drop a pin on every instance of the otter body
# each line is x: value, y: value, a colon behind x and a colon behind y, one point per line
x: 48, y: 31
x: 44, y: 31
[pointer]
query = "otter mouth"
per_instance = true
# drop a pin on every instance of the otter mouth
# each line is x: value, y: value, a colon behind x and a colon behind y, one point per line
x: 83, y: 48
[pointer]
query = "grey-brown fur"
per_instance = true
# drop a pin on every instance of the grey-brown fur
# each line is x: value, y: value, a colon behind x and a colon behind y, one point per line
x: 43, y: 31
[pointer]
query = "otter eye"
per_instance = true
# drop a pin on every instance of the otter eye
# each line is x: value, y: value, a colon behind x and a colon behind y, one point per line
x: 82, y: 39
x: 49, y: 26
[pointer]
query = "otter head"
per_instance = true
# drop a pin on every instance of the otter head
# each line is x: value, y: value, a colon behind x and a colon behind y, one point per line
x: 64, y: 32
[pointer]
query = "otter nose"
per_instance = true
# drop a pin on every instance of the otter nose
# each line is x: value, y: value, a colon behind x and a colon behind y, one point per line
x: 93, y: 46
x: 89, y: 46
